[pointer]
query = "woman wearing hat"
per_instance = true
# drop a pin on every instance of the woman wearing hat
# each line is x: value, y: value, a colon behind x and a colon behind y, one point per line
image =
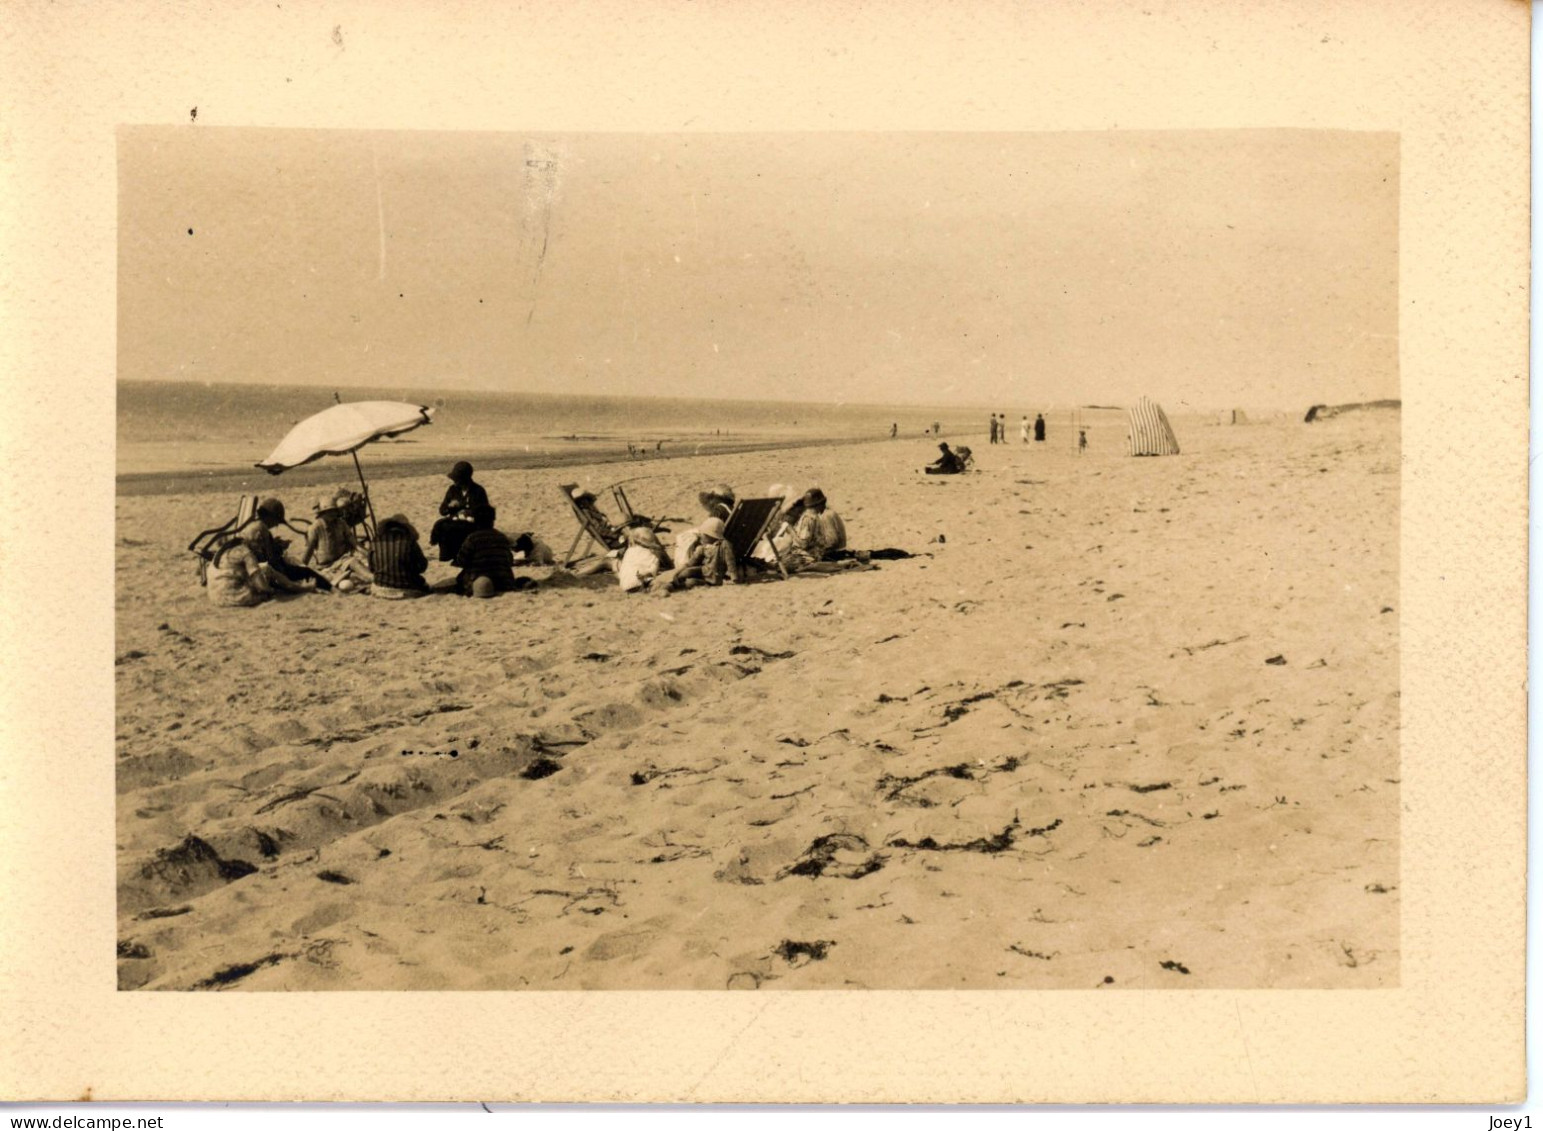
x: 397, y: 561
x: 718, y: 501
x: 462, y: 497
x: 820, y: 530
x: 268, y: 550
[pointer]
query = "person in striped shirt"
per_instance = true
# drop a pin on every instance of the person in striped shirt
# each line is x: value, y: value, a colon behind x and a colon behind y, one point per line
x: 486, y: 558
x: 397, y: 561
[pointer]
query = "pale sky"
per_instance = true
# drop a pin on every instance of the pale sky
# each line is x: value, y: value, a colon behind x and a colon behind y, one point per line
x: 1203, y: 268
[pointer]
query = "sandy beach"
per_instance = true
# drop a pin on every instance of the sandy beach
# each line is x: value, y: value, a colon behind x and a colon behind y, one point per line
x: 1121, y: 723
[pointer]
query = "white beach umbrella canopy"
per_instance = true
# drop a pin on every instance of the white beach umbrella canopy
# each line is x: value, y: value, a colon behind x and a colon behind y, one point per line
x: 342, y: 430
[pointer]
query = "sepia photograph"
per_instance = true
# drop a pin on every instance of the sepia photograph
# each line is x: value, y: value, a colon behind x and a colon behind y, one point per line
x: 536, y: 531
x: 757, y: 561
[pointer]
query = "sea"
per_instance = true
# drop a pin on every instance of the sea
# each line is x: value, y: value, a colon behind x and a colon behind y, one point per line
x: 175, y: 436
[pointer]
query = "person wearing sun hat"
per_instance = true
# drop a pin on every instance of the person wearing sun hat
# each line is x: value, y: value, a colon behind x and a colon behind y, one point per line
x: 462, y: 497
x: 331, y: 544
x: 643, y: 555
x: 396, y: 560
x: 712, y: 561
x: 820, y: 530
x: 268, y: 550
x: 718, y: 501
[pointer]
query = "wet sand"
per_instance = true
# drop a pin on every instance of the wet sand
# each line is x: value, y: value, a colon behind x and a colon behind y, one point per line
x: 1122, y: 723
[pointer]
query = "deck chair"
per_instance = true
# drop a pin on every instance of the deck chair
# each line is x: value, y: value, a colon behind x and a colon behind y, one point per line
x: 594, y: 527
x: 750, y: 521
x: 623, y: 504
x: 209, y: 543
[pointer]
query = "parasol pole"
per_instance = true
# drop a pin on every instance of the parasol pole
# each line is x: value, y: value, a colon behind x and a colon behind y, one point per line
x: 367, y: 503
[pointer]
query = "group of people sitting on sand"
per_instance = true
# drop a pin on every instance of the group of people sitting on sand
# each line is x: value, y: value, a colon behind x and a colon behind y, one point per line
x: 808, y: 537
x: 252, y: 563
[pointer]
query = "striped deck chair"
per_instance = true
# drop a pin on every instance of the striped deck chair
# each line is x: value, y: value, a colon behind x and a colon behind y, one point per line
x: 594, y: 527
x: 750, y: 521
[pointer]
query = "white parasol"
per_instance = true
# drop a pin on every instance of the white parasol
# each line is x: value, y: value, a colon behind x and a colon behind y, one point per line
x: 342, y: 430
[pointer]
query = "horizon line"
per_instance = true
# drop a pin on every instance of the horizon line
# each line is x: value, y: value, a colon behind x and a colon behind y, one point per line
x: 985, y: 406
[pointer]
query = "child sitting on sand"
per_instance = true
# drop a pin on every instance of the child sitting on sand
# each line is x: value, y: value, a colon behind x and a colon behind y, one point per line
x: 331, y: 544
x: 643, y: 557
x: 712, y: 561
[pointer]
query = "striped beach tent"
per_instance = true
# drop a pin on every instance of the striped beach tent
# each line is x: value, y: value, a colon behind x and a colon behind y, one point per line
x: 1150, y: 432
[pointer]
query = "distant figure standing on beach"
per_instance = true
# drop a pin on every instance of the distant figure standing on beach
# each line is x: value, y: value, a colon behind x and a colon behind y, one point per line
x: 1082, y: 440
x: 1039, y: 428
x: 1023, y: 430
x: 993, y: 427
x: 935, y: 427
x: 894, y: 430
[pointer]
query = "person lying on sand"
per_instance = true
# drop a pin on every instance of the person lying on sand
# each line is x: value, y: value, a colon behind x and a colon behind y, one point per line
x: 236, y: 579
x: 331, y: 544
x: 269, y: 550
x: 397, y: 561
x: 712, y: 561
x: 462, y: 497
x: 486, y: 559
x: 946, y: 464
